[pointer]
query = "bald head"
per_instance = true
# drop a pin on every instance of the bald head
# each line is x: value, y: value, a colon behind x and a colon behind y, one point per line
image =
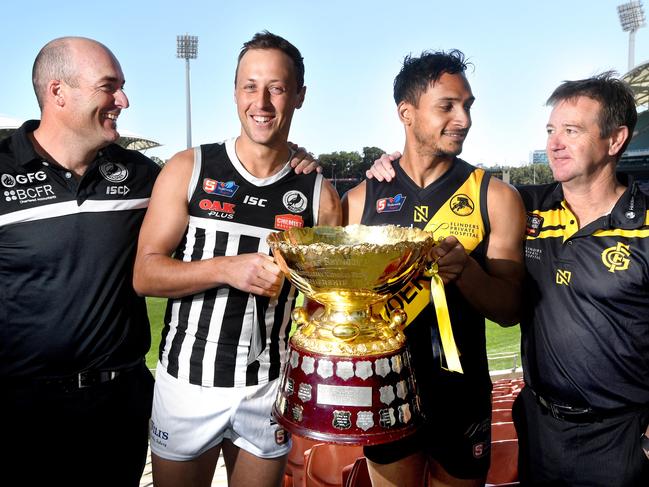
x: 57, y: 61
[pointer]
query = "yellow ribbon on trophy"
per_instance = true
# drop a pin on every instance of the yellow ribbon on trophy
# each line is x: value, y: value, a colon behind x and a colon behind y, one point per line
x: 438, y: 299
x: 421, y: 292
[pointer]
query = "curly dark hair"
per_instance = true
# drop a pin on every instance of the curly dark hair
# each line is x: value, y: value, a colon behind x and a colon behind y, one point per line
x: 417, y: 73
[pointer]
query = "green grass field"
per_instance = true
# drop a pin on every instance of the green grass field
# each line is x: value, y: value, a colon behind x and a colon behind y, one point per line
x: 500, y: 341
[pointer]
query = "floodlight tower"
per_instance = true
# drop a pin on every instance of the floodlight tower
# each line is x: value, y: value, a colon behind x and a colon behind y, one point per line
x: 187, y: 48
x: 632, y: 17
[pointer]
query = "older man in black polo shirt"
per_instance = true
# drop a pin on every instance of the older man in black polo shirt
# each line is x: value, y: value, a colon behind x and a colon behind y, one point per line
x: 582, y: 419
x: 76, y: 395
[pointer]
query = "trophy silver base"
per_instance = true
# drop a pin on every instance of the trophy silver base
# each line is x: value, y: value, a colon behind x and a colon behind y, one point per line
x: 352, y: 400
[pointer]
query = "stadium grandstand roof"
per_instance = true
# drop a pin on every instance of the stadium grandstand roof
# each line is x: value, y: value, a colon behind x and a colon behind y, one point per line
x: 638, y: 78
x: 128, y: 139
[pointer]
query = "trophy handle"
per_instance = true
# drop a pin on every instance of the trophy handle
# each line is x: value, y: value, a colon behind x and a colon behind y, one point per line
x: 300, y: 316
x: 398, y: 319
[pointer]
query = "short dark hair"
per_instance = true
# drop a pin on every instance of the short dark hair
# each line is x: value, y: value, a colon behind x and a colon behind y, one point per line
x: 417, y: 73
x: 267, y: 40
x: 614, y: 95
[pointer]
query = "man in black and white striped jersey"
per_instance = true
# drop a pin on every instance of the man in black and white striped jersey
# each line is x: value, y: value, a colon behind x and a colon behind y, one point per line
x: 203, y: 244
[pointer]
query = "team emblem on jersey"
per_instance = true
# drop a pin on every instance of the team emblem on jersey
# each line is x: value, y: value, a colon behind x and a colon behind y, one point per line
x: 462, y: 205
x: 391, y: 204
x: 616, y: 258
x: 113, y: 172
x: 221, y: 188
x: 295, y: 201
x: 534, y: 224
x: 287, y: 221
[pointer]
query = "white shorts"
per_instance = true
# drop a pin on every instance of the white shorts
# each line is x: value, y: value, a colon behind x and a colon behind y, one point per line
x: 187, y: 420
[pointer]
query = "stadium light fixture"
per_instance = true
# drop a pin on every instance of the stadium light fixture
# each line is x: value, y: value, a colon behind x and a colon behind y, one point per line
x: 632, y: 17
x: 187, y: 48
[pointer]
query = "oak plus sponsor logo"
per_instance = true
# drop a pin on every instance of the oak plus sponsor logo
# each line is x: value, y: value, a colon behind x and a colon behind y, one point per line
x: 221, y: 188
x: 217, y: 209
x: 113, y: 172
x: 295, y: 201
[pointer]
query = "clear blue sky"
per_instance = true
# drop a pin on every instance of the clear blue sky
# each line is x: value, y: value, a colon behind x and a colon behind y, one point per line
x: 352, y: 50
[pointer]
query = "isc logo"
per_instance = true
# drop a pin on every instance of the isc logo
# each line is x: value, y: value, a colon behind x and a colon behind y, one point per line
x: 122, y: 190
x: 254, y: 201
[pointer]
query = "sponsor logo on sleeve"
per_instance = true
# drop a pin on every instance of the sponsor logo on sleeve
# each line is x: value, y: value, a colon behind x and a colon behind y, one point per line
x: 391, y: 204
x: 227, y: 188
x: 285, y: 222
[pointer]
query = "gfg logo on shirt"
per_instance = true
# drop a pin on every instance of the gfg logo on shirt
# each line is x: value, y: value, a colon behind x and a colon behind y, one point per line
x: 9, y: 181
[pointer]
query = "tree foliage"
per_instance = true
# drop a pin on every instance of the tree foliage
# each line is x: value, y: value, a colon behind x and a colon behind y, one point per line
x: 530, y: 174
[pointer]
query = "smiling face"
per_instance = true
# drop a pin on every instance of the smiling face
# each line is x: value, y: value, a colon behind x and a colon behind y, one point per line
x: 266, y: 95
x: 94, y: 99
x: 575, y: 147
x: 441, y: 121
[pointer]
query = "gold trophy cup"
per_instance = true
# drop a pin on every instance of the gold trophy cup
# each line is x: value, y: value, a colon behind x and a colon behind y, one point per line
x: 348, y: 377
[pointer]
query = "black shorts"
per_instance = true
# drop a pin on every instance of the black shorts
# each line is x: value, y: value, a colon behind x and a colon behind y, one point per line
x: 456, y: 433
x: 77, y: 437
x: 554, y: 451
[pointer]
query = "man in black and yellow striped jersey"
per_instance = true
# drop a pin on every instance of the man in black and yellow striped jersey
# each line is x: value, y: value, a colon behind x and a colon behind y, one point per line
x: 582, y: 417
x: 480, y: 224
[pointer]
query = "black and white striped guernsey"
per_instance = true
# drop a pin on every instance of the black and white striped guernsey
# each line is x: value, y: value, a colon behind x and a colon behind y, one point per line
x: 225, y: 337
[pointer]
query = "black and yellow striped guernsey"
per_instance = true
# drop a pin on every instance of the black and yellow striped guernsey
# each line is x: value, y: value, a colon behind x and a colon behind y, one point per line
x: 586, y: 316
x: 455, y: 204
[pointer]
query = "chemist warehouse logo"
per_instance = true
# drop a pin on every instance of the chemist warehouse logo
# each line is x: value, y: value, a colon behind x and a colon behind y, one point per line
x: 26, y: 195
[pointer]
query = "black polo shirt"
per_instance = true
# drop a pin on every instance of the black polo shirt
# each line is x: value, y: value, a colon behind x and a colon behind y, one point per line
x: 585, y: 333
x: 67, y: 248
